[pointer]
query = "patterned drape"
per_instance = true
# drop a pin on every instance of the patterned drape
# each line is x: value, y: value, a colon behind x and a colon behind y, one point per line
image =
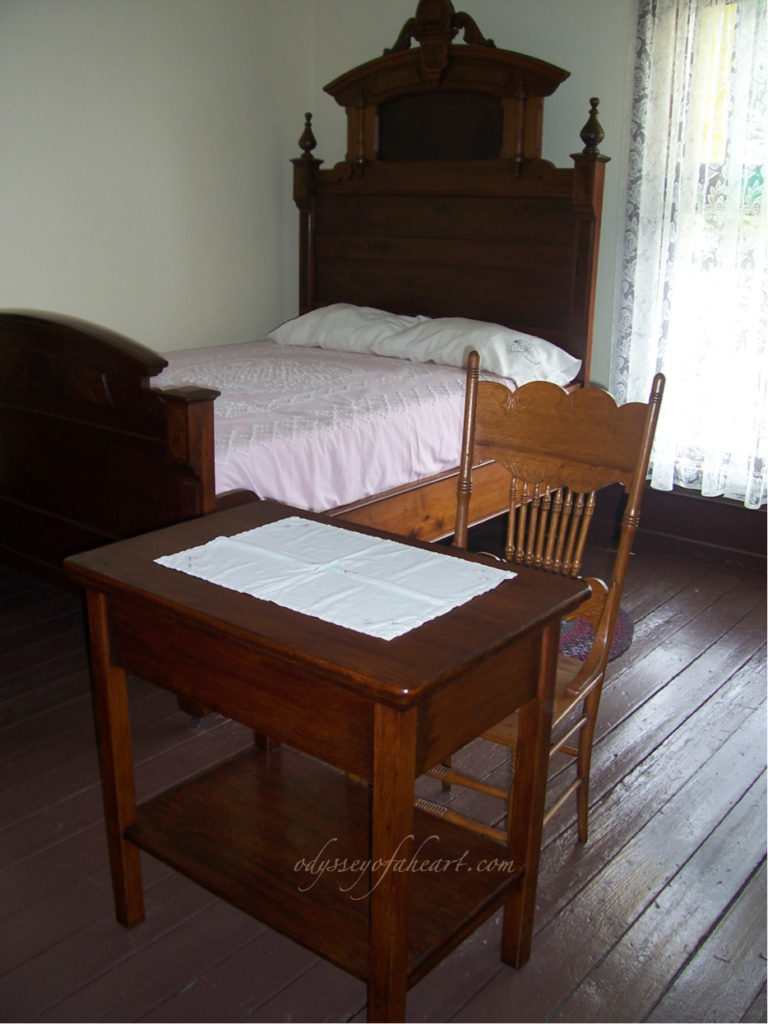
x: 692, y: 288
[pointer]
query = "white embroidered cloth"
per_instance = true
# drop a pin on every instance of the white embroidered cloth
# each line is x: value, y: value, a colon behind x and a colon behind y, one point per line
x: 368, y: 584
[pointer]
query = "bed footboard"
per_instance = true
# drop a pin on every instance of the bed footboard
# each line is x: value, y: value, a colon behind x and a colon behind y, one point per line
x: 89, y: 452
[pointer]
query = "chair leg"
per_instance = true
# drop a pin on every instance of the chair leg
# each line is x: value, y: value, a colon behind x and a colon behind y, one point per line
x: 447, y: 763
x: 193, y: 709
x: 582, y: 809
x: 584, y: 763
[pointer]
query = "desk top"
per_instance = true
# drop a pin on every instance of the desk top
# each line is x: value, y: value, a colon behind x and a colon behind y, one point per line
x: 400, y: 671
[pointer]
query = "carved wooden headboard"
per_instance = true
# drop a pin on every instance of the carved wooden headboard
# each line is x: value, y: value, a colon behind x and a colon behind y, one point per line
x: 443, y: 204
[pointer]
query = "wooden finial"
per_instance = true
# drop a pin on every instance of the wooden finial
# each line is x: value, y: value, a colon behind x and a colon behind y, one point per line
x: 434, y: 27
x: 307, y: 142
x: 592, y: 133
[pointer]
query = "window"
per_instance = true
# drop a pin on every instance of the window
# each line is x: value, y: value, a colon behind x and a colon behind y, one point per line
x: 692, y: 295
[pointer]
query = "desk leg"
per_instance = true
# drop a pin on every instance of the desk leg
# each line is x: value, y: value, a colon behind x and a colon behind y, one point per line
x: 528, y: 797
x: 394, y: 769
x: 110, y: 700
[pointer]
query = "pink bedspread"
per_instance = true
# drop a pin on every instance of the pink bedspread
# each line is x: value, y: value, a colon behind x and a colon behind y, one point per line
x: 318, y: 428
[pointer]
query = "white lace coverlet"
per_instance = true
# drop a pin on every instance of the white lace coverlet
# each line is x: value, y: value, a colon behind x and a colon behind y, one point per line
x: 316, y: 428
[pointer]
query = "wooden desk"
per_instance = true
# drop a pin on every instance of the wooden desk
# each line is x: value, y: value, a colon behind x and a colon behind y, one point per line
x: 372, y: 715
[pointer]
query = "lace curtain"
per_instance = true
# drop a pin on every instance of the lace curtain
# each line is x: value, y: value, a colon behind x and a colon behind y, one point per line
x: 692, y: 295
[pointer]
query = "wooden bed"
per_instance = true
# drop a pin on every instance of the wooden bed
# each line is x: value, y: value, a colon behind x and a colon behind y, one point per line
x: 443, y: 206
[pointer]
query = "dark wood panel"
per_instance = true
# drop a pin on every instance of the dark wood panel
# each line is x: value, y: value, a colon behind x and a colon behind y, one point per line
x: 524, y: 303
x: 64, y: 367
x: 532, y: 180
x: 440, y: 126
x: 545, y: 263
x: 464, y: 218
x: 90, y: 451
x: 248, y: 679
x: 120, y: 467
x: 443, y: 731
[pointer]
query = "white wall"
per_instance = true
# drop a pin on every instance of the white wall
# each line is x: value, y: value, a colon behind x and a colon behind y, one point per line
x: 145, y: 181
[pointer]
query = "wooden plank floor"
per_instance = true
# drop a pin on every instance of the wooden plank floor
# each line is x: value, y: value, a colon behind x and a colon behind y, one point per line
x: 660, y: 916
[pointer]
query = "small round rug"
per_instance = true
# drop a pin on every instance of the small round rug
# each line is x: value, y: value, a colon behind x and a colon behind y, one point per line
x: 576, y: 637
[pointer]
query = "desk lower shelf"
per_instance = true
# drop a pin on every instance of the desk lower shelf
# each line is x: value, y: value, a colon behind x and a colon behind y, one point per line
x: 260, y: 829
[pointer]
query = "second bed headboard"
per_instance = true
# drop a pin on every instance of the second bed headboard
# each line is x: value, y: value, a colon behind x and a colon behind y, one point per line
x: 444, y: 205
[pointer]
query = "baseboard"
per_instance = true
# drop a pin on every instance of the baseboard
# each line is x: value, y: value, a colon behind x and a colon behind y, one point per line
x: 684, y: 523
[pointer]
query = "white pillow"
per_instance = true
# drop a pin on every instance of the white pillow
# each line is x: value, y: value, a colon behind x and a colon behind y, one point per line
x: 506, y: 352
x: 343, y: 327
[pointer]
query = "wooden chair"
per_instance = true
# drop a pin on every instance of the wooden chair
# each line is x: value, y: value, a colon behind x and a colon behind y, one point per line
x: 558, y: 448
